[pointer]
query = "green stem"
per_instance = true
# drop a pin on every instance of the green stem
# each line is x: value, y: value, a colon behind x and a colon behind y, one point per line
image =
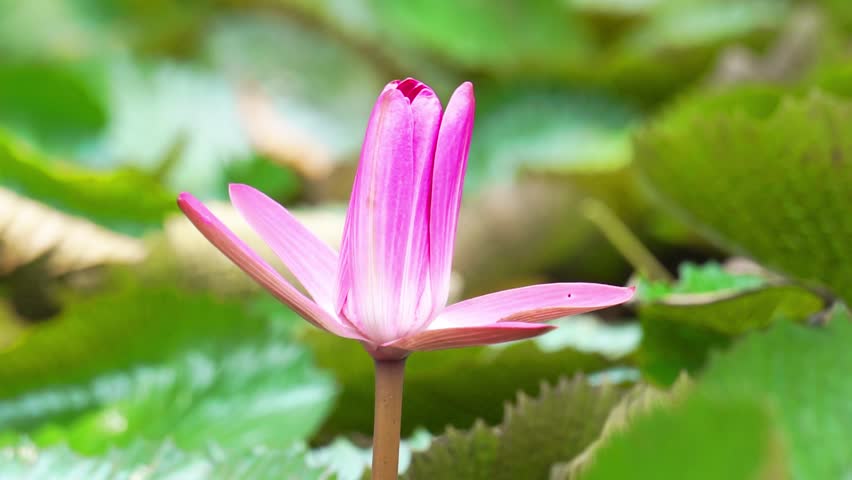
x: 387, y: 418
x: 620, y: 236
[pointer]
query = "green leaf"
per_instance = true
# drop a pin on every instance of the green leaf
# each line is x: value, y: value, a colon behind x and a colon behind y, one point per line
x: 154, y: 461
x: 275, y: 180
x: 476, y: 382
x: 90, y: 336
x: 701, y: 439
x: 781, y: 202
x: 111, y: 198
x: 736, y: 313
x: 51, y: 104
x: 640, y: 401
x: 707, y: 307
x: 480, y: 35
x: 535, y: 434
x: 803, y: 374
x: 709, y: 277
x: 197, y: 370
x: 668, y: 348
x: 462, y: 454
x: 557, y: 425
x: 241, y: 397
x: 548, y: 130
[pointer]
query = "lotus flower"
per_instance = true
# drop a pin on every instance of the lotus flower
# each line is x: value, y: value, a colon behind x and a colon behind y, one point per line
x: 388, y: 286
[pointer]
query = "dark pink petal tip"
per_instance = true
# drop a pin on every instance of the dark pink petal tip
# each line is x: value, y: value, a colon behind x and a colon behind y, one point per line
x: 258, y: 269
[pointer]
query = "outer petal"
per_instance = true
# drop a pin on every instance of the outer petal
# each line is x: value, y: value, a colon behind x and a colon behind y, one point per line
x: 470, y: 336
x: 447, y: 183
x: 384, y: 254
x: 312, y: 261
x: 251, y: 263
x: 537, y: 303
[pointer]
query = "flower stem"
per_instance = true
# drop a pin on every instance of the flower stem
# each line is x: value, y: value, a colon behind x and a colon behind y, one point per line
x: 387, y: 419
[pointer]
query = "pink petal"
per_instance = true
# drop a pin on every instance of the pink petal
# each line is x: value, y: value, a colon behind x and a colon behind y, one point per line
x: 447, y: 183
x: 312, y: 261
x: 471, y: 336
x: 537, y: 303
x: 383, y: 261
x: 251, y: 263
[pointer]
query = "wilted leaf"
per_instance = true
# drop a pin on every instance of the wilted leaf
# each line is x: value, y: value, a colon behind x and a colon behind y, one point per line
x: 30, y: 230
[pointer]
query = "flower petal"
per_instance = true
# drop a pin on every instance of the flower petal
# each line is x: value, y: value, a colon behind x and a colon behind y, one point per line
x: 251, y: 263
x: 384, y: 253
x: 537, y: 303
x: 312, y: 261
x: 447, y: 183
x: 456, y: 337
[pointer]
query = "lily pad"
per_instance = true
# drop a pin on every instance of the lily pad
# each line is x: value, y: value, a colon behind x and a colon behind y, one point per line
x: 700, y: 439
x: 154, y: 461
x: 535, y: 434
x: 803, y: 373
x: 782, y: 203
x: 110, y: 198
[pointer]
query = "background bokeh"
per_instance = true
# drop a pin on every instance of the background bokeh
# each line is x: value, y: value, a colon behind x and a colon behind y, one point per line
x: 700, y: 149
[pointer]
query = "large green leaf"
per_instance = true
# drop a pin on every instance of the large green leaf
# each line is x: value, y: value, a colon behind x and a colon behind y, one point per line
x: 776, y: 405
x: 154, y: 461
x: 478, y: 34
x: 111, y: 198
x: 240, y: 397
x: 736, y: 313
x: 684, y: 321
x: 803, y: 374
x: 469, y: 454
x: 708, y: 278
x: 669, y: 348
x: 547, y: 130
x: 558, y: 425
x: 763, y: 175
x: 50, y: 103
x: 638, y: 402
x: 126, y: 325
x: 646, y: 49
x: 535, y: 434
x: 701, y: 439
x: 156, y: 363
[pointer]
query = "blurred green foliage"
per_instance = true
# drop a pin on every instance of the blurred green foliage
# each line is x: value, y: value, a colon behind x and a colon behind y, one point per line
x: 709, y: 129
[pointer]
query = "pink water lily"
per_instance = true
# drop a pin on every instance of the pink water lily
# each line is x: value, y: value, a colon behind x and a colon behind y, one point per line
x: 389, y: 285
